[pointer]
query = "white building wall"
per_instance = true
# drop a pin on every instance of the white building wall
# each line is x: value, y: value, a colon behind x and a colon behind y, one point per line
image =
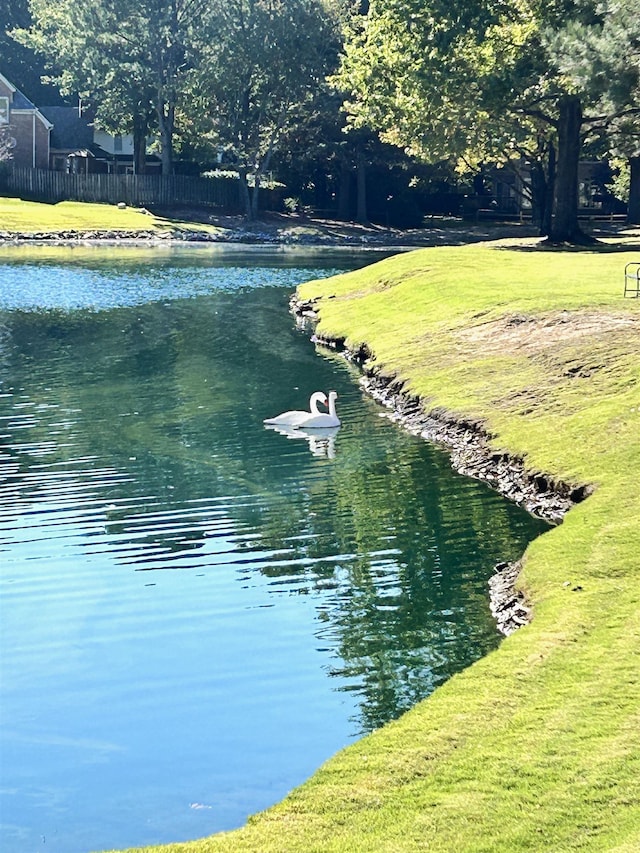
x: 108, y: 142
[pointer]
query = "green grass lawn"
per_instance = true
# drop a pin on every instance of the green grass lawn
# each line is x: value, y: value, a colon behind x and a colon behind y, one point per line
x: 29, y: 217
x: 537, y: 746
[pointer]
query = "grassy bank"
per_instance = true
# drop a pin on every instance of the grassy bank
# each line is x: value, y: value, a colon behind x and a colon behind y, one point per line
x: 537, y: 746
x: 30, y: 217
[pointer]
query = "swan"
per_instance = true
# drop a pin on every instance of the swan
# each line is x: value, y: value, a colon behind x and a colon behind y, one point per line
x: 321, y: 420
x: 296, y: 417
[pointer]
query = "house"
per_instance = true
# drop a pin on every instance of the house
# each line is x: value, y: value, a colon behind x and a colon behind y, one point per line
x: 29, y: 129
x: 509, y: 190
x: 71, y: 140
x: 79, y: 147
x: 120, y: 153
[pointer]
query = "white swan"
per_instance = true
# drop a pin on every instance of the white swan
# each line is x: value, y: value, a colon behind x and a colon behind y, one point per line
x: 321, y: 420
x: 297, y: 417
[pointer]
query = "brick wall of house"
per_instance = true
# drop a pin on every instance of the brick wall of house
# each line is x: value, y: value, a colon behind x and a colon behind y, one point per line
x: 25, y: 123
x: 42, y: 146
x: 22, y: 129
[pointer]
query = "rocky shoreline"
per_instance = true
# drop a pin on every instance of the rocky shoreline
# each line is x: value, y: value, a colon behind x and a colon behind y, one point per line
x: 242, y: 236
x: 469, y: 447
x: 272, y: 229
x: 119, y: 236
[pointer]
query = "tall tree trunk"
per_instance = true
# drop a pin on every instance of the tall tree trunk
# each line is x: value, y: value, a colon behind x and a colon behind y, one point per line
x: 545, y: 229
x: 245, y: 196
x: 166, y: 114
x: 344, y: 190
x: 633, y: 209
x: 361, y: 181
x: 255, y: 197
x: 260, y: 170
x: 564, y: 224
x: 139, y: 145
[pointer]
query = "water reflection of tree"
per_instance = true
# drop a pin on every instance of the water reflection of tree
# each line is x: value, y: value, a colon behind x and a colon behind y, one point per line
x: 401, y: 623
x: 395, y: 547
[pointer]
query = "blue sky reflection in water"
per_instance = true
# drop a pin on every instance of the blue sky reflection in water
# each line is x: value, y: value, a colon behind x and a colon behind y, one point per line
x: 198, y: 611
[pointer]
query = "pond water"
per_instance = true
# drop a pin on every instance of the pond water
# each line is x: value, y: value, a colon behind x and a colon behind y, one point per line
x: 197, y: 611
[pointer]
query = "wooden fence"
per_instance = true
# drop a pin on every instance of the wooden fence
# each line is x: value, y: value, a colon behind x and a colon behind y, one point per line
x: 134, y: 190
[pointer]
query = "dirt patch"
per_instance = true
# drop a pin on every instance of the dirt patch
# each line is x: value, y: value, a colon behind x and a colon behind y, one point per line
x: 534, y: 335
x: 298, y: 228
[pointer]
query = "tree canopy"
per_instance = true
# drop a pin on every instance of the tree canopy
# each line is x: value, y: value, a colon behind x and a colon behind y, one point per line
x: 235, y: 72
x: 484, y: 78
x: 131, y: 59
x: 470, y: 82
x: 263, y: 63
x: 19, y: 63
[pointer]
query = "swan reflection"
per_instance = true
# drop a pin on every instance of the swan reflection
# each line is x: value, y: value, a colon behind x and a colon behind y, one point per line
x: 322, y: 442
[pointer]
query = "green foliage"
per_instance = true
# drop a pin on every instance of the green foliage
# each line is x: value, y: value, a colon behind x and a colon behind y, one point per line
x: 430, y: 76
x: 130, y: 58
x: 237, y: 74
x: 490, y: 80
x: 19, y: 63
x: 621, y: 178
x: 263, y: 63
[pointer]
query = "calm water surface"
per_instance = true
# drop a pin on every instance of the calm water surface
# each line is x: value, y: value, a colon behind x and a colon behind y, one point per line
x: 197, y: 611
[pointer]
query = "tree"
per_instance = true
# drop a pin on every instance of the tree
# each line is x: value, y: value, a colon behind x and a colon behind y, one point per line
x: 169, y: 30
x: 621, y: 40
x: 434, y: 78
x: 466, y: 79
x: 263, y: 63
x: 130, y: 57
x: 17, y: 62
x: 592, y: 50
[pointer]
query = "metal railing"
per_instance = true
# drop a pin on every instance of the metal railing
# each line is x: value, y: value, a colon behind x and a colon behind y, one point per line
x: 632, y: 279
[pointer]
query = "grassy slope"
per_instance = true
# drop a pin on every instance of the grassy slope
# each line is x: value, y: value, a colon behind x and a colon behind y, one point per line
x: 28, y: 217
x: 537, y: 746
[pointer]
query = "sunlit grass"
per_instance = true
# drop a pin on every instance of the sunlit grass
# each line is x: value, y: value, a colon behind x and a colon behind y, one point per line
x: 29, y: 217
x: 537, y: 746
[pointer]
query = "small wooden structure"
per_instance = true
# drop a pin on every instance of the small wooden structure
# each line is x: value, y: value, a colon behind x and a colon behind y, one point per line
x: 632, y: 279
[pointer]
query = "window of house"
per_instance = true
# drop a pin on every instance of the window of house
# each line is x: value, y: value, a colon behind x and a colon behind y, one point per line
x: 4, y: 110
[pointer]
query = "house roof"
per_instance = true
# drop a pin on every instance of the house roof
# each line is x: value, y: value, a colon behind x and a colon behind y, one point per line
x: 91, y: 150
x: 70, y: 130
x: 21, y: 102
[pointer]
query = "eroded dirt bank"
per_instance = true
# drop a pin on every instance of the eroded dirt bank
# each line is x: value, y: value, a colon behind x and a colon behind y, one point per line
x: 471, y: 453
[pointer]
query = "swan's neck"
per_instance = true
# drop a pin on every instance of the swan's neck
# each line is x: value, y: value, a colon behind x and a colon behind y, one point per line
x: 332, y: 405
x: 316, y: 399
